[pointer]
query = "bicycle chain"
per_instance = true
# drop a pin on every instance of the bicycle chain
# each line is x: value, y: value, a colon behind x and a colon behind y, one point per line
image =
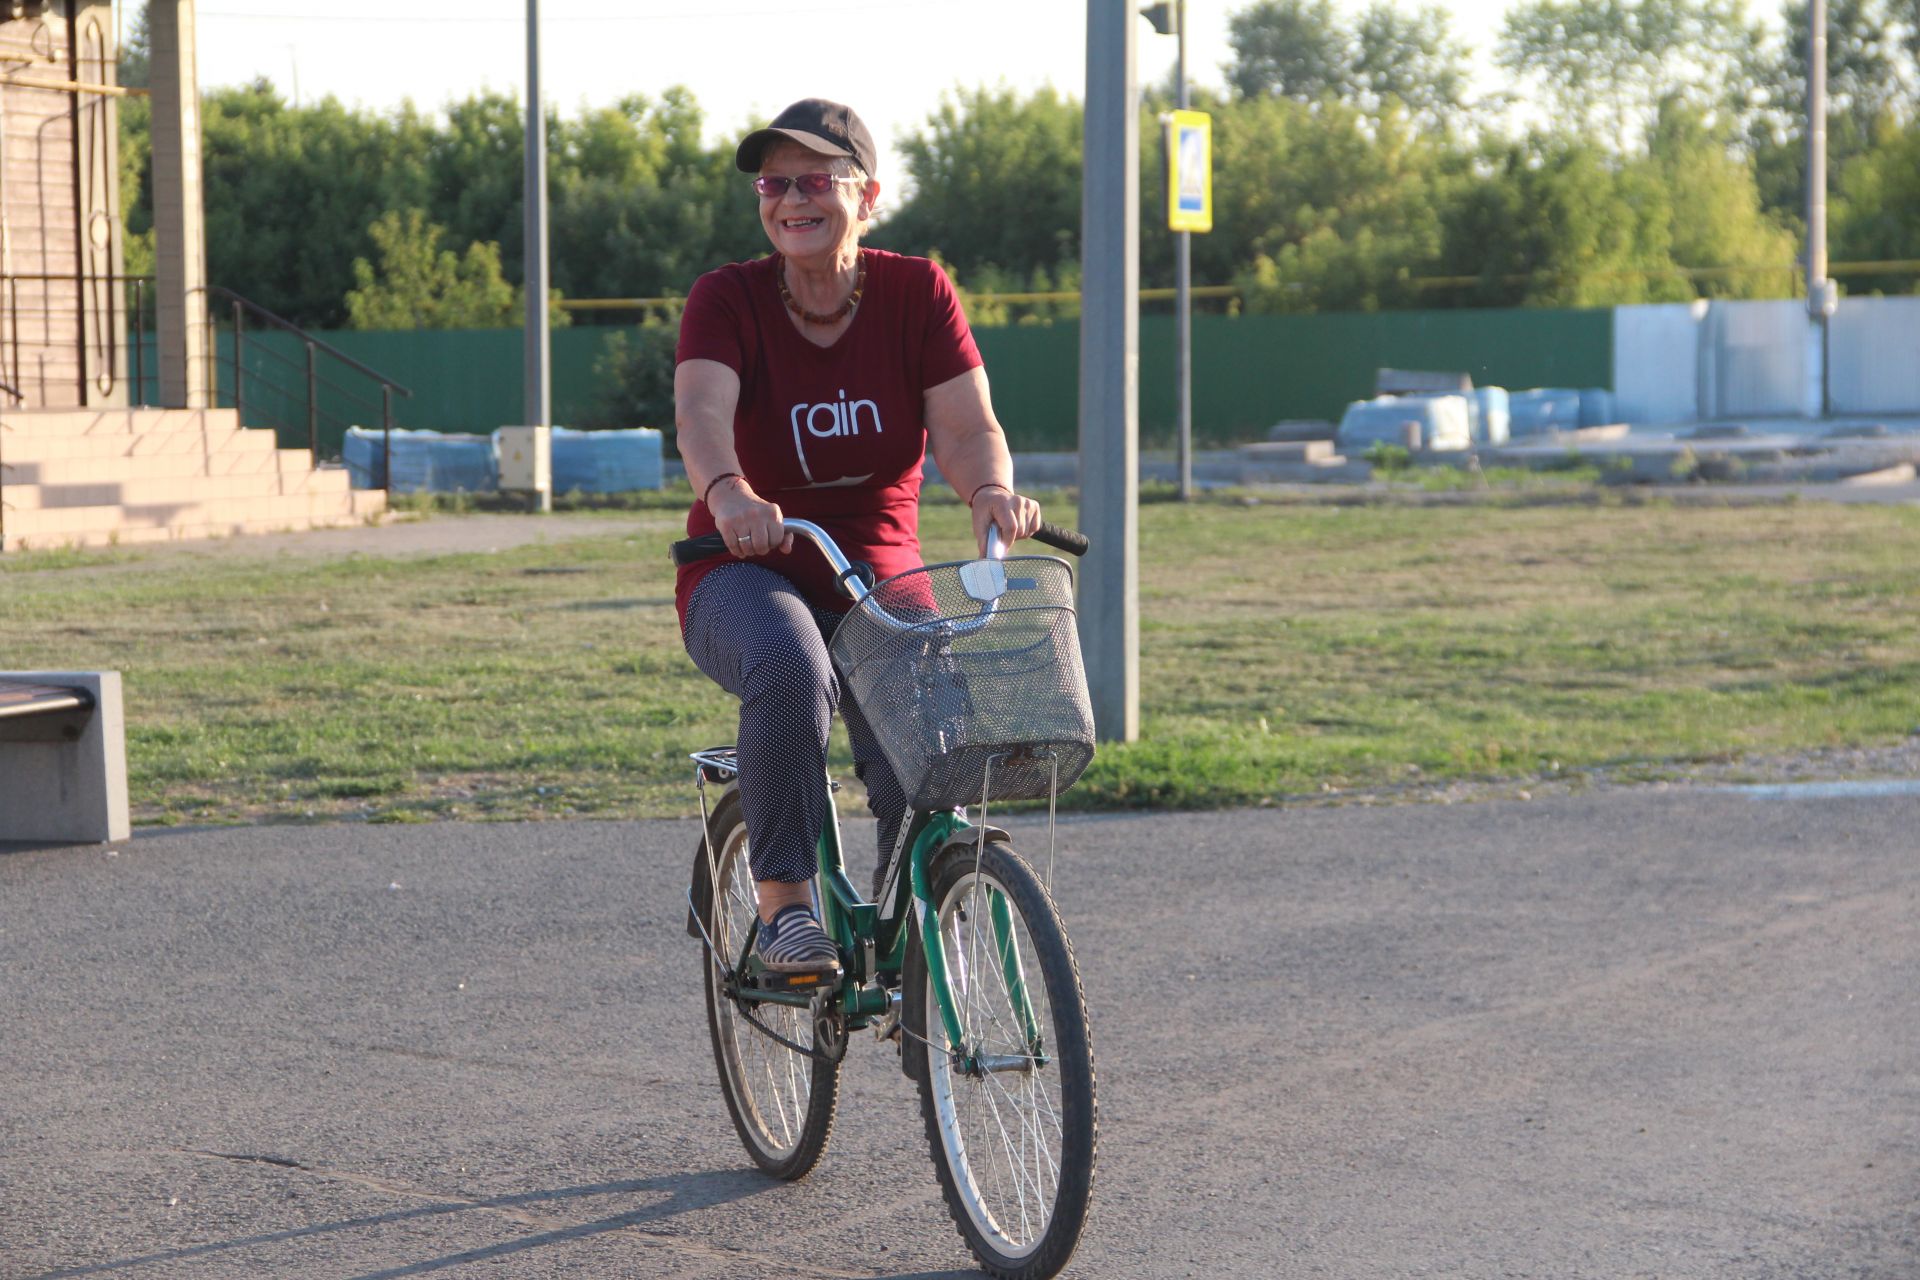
x: 741, y: 1006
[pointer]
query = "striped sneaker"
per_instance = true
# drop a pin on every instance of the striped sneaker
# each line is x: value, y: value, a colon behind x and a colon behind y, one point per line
x: 795, y: 943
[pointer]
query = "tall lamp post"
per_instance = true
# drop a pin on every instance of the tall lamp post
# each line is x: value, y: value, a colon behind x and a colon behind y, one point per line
x: 538, y: 403
x: 1822, y: 294
x: 526, y: 451
x: 1169, y: 17
x: 1109, y: 374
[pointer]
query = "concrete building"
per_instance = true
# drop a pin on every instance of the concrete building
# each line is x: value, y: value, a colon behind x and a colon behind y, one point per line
x: 86, y: 455
x: 62, y: 330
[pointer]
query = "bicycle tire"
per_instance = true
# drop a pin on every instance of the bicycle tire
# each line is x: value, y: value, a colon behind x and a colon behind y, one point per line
x: 782, y: 1102
x: 983, y: 1129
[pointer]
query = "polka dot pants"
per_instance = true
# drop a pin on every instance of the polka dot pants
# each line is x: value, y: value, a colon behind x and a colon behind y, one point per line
x: 753, y: 634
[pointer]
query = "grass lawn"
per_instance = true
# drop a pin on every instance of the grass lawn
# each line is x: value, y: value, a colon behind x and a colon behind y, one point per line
x: 1286, y: 648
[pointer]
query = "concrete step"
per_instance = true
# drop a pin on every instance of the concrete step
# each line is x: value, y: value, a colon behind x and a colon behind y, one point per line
x: 142, y: 491
x: 237, y: 458
x: 41, y: 423
x: 201, y: 439
x: 117, y: 525
x: 1293, y: 452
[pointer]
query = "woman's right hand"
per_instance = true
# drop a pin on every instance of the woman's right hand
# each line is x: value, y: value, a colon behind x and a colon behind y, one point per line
x: 751, y: 525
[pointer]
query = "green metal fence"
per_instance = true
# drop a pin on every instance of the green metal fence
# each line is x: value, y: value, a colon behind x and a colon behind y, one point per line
x: 1249, y: 371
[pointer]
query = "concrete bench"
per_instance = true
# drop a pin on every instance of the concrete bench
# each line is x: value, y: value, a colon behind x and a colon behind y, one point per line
x: 63, y: 757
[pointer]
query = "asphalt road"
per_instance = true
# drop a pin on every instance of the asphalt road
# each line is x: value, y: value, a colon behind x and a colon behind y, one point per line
x: 1627, y: 1034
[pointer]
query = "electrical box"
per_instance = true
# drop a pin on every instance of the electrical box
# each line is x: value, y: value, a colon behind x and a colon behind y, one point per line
x: 1823, y: 298
x: 526, y: 463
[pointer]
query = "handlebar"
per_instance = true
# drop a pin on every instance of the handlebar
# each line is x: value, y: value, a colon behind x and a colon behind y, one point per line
x: 856, y: 580
x: 708, y: 545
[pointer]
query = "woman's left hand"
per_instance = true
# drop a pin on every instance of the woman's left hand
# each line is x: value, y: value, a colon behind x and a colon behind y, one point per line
x: 1016, y: 516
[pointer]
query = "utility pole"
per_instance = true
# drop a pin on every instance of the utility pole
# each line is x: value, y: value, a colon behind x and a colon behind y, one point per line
x: 1183, y: 286
x: 525, y: 451
x: 1109, y: 374
x: 1822, y: 295
x: 538, y: 402
x: 1169, y: 17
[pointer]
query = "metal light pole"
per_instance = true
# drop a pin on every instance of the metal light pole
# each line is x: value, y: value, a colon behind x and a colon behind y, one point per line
x: 1169, y: 17
x: 538, y: 372
x: 1183, y: 288
x: 1821, y: 299
x: 1109, y: 373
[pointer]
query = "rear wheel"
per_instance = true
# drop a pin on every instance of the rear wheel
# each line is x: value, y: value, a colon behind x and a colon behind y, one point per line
x: 1010, y: 1114
x: 782, y: 1101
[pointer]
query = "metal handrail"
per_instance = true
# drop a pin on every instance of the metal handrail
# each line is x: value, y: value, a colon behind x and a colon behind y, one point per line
x: 116, y: 343
x: 304, y: 336
x: 242, y: 308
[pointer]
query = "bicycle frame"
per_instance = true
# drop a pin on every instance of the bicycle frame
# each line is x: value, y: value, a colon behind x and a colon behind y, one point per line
x: 877, y: 943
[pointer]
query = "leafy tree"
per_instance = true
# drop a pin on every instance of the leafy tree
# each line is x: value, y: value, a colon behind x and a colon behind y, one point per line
x: 996, y: 180
x: 420, y: 285
x: 1300, y: 49
x: 474, y: 169
x: 1870, y: 70
x: 1557, y: 226
x: 1604, y: 68
x: 292, y: 192
x: 135, y: 115
x: 1873, y: 83
x: 635, y: 377
x: 1875, y: 212
x: 1716, y: 218
x: 1410, y: 58
x: 1288, y: 48
x: 135, y: 55
x: 641, y: 208
x: 136, y: 197
x: 1348, y: 212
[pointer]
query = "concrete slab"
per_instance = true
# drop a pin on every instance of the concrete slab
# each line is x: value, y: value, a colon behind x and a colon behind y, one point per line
x: 71, y: 790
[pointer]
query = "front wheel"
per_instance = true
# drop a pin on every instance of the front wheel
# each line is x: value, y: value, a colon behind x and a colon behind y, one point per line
x: 782, y: 1101
x: 1010, y: 1111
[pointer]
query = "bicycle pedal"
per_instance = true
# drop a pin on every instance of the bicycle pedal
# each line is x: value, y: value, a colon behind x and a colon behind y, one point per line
x: 768, y: 980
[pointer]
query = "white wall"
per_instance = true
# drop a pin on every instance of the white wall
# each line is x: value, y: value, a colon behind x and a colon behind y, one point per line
x: 1874, y: 356
x: 1685, y: 361
x: 1656, y: 362
x: 1756, y: 359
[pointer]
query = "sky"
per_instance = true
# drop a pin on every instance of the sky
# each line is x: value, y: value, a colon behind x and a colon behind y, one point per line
x: 891, y: 60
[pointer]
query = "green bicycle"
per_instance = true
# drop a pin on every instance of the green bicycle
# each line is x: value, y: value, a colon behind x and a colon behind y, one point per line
x: 970, y: 676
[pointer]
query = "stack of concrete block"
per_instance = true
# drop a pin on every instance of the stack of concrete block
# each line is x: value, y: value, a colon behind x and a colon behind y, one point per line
x: 96, y: 477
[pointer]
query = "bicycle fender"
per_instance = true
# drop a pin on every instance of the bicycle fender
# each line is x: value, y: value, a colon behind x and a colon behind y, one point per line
x: 701, y: 888
x: 968, y: 835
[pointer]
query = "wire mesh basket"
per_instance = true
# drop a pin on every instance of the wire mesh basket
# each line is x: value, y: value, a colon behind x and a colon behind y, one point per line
x: 964, y: 691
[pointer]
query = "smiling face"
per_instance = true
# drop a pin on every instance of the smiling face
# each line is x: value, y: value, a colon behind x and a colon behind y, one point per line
x: 814, y: 230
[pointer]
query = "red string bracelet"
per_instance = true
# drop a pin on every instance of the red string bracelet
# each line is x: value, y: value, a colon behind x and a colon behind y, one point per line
x: 991, y: 484
x: 724, y: 475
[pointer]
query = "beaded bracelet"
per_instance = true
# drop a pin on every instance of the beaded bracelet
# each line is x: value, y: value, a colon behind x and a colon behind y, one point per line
x: 991, y: 484
x: 724, y: 475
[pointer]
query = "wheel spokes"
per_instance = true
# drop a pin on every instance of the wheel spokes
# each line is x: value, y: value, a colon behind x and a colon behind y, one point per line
x: 1008, y: 1121
x: 777, y: 1083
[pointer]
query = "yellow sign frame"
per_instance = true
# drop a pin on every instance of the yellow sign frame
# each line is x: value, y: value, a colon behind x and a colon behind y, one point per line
x: 1189, y: 171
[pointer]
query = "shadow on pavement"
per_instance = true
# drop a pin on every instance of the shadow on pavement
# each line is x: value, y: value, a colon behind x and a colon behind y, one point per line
x: 687, y: 1192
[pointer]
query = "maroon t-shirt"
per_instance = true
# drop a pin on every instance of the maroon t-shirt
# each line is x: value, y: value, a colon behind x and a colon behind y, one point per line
x: 835, y: 435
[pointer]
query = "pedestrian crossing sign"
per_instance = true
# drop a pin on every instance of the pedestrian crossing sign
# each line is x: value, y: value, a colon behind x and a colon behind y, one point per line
x: 1190, y: 171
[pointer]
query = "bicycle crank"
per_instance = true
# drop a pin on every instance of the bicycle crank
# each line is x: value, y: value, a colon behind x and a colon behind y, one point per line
x: 829, y: 1028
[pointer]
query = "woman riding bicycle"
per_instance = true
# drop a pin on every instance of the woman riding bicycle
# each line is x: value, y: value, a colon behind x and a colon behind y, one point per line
x: 811, y: 383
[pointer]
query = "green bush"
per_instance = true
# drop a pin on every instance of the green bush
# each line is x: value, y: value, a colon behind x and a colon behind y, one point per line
x: 634, y: 375
x: 1388, y: 459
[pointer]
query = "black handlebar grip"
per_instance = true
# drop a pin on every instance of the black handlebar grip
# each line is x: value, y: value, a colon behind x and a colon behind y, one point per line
x: 693, y: 550
x: 1071, y: 541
